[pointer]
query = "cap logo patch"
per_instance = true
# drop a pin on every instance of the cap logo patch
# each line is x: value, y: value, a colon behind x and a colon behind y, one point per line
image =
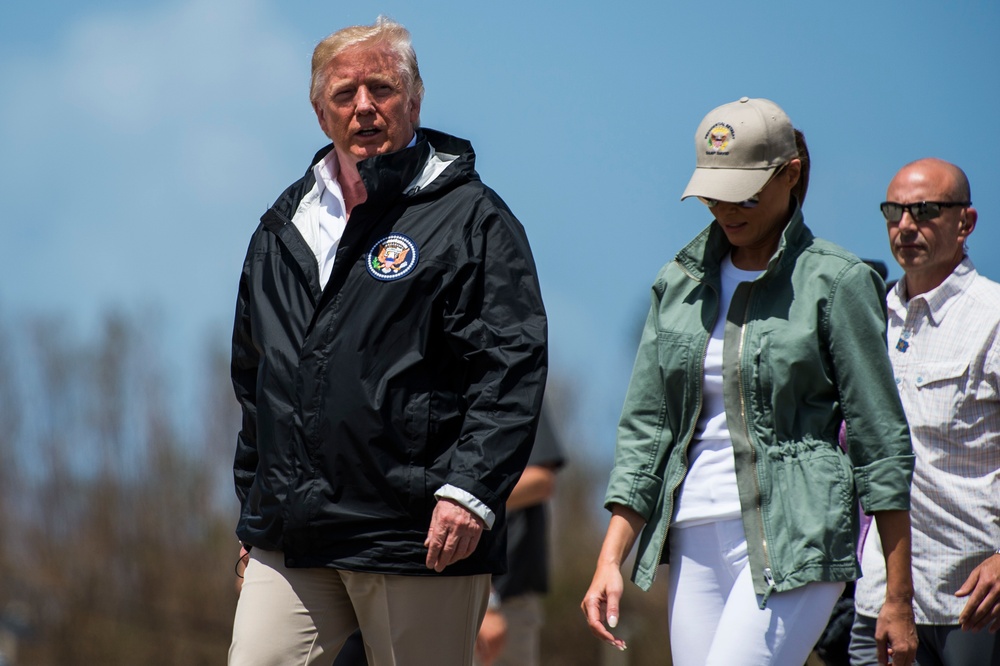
x: 392, y: 258
x: 717, y: 139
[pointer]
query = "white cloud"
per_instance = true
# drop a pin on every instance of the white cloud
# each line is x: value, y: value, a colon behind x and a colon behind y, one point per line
x: 134, y: 154
x: 140, y: 71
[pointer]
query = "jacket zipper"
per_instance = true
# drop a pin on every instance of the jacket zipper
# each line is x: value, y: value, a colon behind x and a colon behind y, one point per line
x: 768, y: 576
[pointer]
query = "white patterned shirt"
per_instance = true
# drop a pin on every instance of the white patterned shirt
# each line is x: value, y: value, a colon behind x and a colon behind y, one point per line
x: 945, y: 352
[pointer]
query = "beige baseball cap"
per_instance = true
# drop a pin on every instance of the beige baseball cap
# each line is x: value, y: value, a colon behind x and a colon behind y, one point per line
x: 738, y: 146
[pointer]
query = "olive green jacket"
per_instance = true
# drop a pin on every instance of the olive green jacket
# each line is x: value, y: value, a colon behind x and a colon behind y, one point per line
x: 804, y: 349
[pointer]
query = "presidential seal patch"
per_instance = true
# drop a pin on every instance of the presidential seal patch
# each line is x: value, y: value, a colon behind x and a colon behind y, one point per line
x: 392, y: 257
x: 717, y: 139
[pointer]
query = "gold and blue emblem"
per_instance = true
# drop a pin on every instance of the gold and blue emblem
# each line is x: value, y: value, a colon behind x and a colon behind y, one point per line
x: 393, y: 257
x: 718, y: 138
x: 903, y: 343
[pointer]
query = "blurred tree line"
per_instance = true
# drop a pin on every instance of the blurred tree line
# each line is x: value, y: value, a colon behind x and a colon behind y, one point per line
x: 116, y: 545
x: 117, y: 513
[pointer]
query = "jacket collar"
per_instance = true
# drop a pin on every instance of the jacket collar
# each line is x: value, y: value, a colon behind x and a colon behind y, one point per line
x: 703, y: 256
x: 450, y: 161
x: 386, y: 176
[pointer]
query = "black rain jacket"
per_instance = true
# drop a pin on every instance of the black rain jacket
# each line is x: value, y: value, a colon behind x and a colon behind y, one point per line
x: 362, y: 399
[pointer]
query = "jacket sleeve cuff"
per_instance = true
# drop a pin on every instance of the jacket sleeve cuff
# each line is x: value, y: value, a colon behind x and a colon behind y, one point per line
x: 637, y: 490
x: 884, y: 485
x: 467, y: 500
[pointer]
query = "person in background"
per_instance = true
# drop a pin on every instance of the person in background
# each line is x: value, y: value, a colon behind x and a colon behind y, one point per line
x: 761, y: 339
x: 389, y: 355
x: 511, y: 631
x: 944, y: 345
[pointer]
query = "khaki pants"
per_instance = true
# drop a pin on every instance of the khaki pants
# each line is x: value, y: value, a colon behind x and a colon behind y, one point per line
x: 299, y: 617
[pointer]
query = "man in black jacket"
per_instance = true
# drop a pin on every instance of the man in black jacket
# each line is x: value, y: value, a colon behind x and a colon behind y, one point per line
x: 389, y: 354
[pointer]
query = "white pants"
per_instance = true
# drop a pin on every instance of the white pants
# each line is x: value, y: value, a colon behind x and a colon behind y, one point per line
x: 714, y: 614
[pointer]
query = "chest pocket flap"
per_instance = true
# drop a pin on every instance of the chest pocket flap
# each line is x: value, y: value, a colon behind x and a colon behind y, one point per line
x: 928, y: 374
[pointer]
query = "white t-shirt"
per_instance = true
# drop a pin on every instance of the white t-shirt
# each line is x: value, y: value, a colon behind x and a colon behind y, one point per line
x: 709, y: 492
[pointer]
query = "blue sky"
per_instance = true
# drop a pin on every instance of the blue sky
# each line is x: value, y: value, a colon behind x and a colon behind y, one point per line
x: 140, y: 142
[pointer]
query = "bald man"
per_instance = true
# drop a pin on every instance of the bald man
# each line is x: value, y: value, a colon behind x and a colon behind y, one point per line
x: 944, y: 343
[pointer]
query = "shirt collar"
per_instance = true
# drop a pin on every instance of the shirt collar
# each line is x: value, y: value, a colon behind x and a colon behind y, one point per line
x: 939, y: 299
x: 327, y: 170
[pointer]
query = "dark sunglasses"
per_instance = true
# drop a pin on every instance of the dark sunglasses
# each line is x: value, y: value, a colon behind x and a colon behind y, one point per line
x: 921, y: 211
x: 746, y: 203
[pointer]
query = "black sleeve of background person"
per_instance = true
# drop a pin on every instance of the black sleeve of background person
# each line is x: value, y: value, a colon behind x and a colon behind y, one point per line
x: 527, y: 534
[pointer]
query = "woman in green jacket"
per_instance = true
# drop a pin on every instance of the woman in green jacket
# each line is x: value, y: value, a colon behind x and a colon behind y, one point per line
x: 760, y: 341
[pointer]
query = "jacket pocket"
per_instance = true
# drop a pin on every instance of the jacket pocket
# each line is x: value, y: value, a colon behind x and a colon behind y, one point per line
x: 762, y: 382
x: 417, y: 431
x: 434, y: 423
x: 811, y: 509
x: 678, y: 361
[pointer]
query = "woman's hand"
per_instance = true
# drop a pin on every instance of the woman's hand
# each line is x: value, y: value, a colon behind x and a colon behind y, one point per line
x: 601, y: 604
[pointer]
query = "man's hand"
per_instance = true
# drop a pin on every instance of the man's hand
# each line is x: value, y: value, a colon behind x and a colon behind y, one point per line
x: 453, y: 535
x: 983, y: 589
x: 492, y: 637
x: 896, y: 634
x: 895, y: 631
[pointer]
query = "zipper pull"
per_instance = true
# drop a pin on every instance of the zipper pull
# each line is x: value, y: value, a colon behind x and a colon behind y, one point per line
x: 769, y: 579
